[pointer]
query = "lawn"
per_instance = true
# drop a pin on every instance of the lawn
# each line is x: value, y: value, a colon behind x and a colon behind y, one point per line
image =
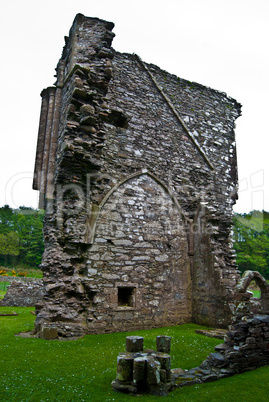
x: 256, y: 293
x: 82, y: 370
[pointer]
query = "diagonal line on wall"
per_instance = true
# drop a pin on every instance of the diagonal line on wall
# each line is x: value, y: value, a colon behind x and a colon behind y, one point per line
x: 175, y: 112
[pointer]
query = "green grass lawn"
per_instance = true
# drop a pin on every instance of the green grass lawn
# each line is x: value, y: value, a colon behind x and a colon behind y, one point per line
x: 256, y: 293
x: 82, y: 370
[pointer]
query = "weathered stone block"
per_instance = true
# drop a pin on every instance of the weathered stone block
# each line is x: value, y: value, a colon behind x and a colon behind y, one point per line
x: 48, y: 333
x: 153, y: 371
x: 134, y: 344
x: 125, y: 368
x: 163, y: 343
x: 139, y: 372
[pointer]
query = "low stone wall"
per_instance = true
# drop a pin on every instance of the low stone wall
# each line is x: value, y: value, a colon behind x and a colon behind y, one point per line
x: 246, y: 347
x: 23, y: 293
x: 17, y: 279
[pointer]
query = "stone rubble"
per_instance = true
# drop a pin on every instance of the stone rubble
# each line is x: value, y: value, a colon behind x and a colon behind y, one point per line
x: 246, y: 344
x: 246, y: 347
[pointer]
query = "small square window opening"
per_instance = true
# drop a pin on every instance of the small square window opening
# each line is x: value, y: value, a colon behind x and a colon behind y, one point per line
x: 126, y: 296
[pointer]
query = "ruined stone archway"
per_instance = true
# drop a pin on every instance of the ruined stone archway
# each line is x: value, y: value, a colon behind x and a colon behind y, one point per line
x: 139, y: 258
x: 261, y: 282
x: 96, y: 210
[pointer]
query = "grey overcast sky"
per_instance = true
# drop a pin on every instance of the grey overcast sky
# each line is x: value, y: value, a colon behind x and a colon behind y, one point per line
x: 222, y: 44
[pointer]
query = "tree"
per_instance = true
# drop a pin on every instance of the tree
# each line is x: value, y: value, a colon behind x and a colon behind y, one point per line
x: 30, y: 227
x: 3, y: 246
x: 8, y: 219
x: 251, y: 242
x: 9, y: 245
x: 27, y: 224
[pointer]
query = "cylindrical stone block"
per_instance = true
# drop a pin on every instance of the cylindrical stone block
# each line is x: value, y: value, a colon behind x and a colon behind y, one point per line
x: 163, y: 376
x: 134, y: 344
x: 125, y: 368
x: 139, y: 370
x: 153, y: 371
x: 163, y: 343
x: 165, y: 361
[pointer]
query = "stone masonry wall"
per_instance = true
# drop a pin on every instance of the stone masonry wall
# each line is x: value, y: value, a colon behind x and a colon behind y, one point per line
x: 246, y: 347
x: 138, y: 177
x: 140, y: 243
x: 23, y: 293
x: 246, y: 344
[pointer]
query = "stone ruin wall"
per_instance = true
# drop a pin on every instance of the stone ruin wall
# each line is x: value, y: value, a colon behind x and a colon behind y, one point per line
x: 24, y: 292
x: 137, y: 171
x: 246, y: 344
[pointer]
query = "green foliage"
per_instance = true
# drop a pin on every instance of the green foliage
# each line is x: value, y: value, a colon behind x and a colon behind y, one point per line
x: 21, y: 235
x: 9, y: 244
x: 251, y: 241
x: 34, y: 369
x: 21, y: 271
x: 8, y: 218
x: 3, y: 286
x: 3, y: 289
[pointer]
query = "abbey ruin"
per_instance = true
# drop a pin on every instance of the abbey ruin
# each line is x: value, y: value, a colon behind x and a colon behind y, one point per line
x: 136, y: 169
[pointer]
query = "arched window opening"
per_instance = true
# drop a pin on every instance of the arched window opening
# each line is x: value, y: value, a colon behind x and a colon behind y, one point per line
x: 255, y: 299
x: 252, y: 282
x: 255, y: 290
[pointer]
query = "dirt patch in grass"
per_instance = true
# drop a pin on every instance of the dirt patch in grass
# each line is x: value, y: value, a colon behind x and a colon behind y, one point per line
x: 212, y: 333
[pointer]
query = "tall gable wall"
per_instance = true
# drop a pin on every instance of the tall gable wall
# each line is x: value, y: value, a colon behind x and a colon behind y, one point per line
x: 137, y: 172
